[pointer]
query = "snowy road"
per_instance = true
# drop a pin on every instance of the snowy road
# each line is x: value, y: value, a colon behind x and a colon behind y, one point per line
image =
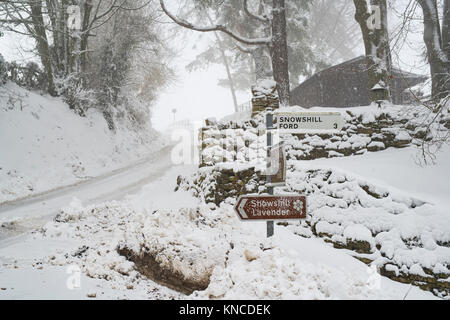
x: 18, y: 217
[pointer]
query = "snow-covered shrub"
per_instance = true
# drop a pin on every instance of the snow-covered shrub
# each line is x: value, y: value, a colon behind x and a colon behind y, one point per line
x: 13, y: 71
x: 79, y: 98
x: 3, y: 70
x: 29, y: 76
x: 134, y: 112
x: 33, y: 77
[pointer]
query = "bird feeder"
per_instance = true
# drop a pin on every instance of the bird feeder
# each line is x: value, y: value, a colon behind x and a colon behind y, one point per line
x: 379, y: 93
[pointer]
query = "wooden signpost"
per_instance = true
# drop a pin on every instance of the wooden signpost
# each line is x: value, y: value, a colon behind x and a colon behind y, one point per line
x: 270, y: 207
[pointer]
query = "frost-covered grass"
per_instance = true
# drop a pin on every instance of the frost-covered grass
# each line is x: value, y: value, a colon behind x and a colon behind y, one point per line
x: 45, y: 145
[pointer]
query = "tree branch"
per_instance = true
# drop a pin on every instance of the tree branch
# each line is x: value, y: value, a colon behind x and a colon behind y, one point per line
x: 221, y: 28
x: 244, y: 50
x: 263, y: 19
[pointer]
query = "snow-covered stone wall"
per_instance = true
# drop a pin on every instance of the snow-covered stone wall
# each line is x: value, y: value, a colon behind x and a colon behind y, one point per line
x: 367, y: 129
x: 380, y: 225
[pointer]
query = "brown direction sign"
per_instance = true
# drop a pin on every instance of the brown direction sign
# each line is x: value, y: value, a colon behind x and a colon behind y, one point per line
x: 262, y: 207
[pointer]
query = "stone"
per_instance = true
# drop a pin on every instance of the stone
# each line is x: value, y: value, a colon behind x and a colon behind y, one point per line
x: 376, y: 146
x: 265, y: 96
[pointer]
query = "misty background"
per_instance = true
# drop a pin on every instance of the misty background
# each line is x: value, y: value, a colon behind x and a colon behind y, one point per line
x: 196, y: 95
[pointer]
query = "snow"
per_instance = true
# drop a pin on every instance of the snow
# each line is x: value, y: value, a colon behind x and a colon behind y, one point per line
x: 402, y: 136
x: 192, y: 238
x: 264, y: 88
x: 297, y: 268
x: 398, y: 169
x: 379, y: 86
x: 381, y: 198
x: 402, y: 227
x: 85, y: 237
x: 28, y: 214
x: 45, y: 145
x: 376, y: 144
x: 358, y: 232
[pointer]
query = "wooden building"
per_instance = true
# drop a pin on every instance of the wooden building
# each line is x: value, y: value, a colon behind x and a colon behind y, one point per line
x: 345, y: 85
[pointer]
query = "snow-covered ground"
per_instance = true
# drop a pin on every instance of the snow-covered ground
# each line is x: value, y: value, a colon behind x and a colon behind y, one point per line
x: 73, y: 252
x: 196, y: 240
x: 399, y: 168
x: 31, y: 265
x: 44, y: 145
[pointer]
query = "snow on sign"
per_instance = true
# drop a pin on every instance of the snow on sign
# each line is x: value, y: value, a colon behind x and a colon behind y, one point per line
x: 307, y: 121
x: 262, y: 207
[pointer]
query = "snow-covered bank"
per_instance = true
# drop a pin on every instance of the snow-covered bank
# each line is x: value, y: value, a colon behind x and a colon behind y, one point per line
x: 35, y: 266
x: 32, y: 213
x: 45, y: 145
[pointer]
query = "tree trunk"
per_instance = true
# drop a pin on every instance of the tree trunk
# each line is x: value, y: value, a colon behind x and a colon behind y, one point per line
x: 53, y: 15
x: 42, y: 43
x: 260, y: 55
x: 229, y: 75
x: 64, y: 45
x: 85, y: 33
x: 279, y: 51
x: 446, y: 28
x: 376, y: 44
x: 227, y: 67
x: 437, y: 57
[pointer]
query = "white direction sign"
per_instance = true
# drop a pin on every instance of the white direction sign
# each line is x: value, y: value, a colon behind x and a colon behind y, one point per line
x: 309, y: 121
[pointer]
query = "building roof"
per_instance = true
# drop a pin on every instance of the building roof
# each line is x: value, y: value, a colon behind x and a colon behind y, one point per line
x: 345, y: 84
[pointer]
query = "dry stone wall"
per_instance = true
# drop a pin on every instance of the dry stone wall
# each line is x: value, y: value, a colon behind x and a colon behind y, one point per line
x: 244, y: 142
x: 351, y: 214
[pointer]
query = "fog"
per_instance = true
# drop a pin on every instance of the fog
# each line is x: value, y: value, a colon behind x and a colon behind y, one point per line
x: 197, y: 95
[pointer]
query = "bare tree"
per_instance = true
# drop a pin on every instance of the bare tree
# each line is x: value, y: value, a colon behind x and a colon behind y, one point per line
x: 438, y: 46
x: 276, y: 42
x: 40, y: 36
x: 334, y: 30
x: 224, y: 57
x: 66, y: 51
x: 430, y: 113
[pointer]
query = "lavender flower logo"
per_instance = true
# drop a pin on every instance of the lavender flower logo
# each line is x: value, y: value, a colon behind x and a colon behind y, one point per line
x: 298, y: 205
